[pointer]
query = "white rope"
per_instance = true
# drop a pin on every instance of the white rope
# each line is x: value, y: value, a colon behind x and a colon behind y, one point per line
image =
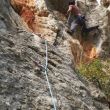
x: 49, y: 86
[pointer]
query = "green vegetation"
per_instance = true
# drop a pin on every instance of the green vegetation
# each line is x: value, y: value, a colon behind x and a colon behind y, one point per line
x: 97, y: 72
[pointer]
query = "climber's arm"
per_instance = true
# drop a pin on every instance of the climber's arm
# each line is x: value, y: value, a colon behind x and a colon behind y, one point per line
x: 69, y: 9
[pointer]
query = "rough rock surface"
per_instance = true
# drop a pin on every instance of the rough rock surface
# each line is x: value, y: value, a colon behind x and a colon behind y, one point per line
x: 22, y: 80
x: 51, y: 23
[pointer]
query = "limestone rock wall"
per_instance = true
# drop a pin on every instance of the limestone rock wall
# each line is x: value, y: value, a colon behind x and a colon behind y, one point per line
x: 22, y: 57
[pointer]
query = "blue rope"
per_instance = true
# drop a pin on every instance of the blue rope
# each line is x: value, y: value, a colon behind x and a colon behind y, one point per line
x: 49, y: 86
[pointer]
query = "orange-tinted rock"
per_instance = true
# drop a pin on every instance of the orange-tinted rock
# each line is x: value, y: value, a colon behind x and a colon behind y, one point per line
x: 25, y: 8
x: 18, y: 4
x: 28, y: 15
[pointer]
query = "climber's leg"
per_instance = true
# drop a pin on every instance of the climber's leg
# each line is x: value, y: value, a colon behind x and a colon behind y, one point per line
x: 73, y: 26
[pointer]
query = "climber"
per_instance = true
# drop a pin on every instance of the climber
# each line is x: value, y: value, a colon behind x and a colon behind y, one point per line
x: 75, y: 17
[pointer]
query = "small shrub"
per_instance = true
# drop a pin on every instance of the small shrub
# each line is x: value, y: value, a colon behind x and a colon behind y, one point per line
x: 97, y: 72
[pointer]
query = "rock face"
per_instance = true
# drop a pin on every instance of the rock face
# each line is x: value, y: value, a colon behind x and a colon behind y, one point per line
x: 26, y: 9
x: 96, y: 40
x: 106, y: 3
x: 22, y: 57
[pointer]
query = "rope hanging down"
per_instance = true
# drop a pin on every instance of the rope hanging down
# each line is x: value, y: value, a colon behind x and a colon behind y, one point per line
x: 49, y: 86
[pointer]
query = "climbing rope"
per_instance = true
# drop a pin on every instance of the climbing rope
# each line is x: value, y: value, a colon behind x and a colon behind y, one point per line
x: 46, y: 66
x: 49, y: 86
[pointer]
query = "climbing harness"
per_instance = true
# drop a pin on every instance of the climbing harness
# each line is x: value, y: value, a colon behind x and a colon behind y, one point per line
x: 49, y: 86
